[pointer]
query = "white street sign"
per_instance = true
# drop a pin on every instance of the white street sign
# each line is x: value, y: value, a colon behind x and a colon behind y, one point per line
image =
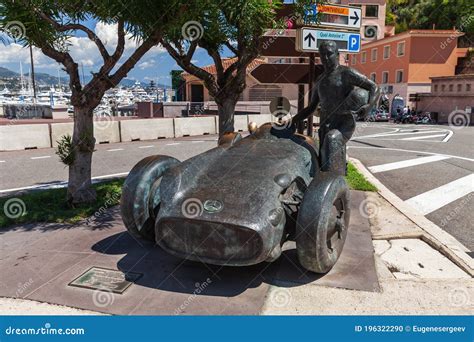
x: 334, y: 16
x: 309, y: 39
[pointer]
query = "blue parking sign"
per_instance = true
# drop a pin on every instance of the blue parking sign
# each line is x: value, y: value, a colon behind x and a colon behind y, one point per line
x: 354, y: 43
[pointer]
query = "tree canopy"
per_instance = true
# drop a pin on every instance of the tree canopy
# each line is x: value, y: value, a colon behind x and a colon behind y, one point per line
x: 423, y: 14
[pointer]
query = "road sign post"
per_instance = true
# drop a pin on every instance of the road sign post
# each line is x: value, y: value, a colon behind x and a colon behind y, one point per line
x: 308, y: 39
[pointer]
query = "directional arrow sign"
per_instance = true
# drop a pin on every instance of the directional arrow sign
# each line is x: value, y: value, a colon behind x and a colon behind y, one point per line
x: 309, y: 39
x: 336, y: 16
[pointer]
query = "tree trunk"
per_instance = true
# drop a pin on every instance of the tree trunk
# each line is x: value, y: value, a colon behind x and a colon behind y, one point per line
x: 226, y: 110
x: 80, y: 185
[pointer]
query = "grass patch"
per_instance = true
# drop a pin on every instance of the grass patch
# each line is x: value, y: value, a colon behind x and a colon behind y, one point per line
x: 51, y: 206
x: 357, y: 181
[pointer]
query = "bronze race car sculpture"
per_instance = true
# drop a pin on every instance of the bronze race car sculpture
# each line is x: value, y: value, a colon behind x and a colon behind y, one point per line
x: 237, y: 203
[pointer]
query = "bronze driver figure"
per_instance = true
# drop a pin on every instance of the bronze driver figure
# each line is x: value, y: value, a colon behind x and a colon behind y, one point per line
x: 342, y: 93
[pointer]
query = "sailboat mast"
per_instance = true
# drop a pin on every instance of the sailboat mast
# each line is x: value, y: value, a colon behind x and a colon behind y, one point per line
x: 33, y: 72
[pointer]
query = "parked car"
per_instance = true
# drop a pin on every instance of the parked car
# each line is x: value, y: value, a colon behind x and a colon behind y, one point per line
x: 237, y: 204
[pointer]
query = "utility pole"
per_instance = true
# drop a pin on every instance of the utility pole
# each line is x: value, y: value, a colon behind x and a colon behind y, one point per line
x: 33, y: 72
x: 311, y: 77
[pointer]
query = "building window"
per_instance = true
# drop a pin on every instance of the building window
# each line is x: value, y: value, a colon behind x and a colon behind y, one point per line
x: 385, y: 77
x: 354, y: 59
x: 399, y: 78
x: 443, y: 87
x: 401, y: 49
x: 451, y: 87
x: 459, y: 87
x: 372, y: 11
x: 436, y: 88
x: 363, y: 57
x: 468, y: 87
x: 386, y: 52
x: 373, y: 76
x: 374, y: 55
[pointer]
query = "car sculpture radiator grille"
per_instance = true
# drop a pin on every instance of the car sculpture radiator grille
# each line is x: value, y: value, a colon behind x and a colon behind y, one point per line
x: 206, y: 241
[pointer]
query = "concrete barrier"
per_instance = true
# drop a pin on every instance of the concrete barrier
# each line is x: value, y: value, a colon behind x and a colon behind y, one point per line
x: 146, y: 129
x: 260, y: 119
x: 20, y: 137
x: 58, y: 130
x: 105, y: 131
x: 240, y: 123
x: 194, y: 126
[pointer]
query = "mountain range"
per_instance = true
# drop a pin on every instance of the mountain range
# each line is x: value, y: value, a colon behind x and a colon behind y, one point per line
x: 11, y: 78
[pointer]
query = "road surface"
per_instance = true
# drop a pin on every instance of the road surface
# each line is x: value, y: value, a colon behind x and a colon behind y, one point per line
x: 430, y: 167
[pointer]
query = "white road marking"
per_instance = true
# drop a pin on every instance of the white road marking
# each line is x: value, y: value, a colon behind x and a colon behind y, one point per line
x: 411, y: 151
x: 434, y: 199
x: 425, y: 137
x: 42, y: 157
x: 405, y: 163
x: 60, y: 184
x: 172, y: 144
x: 149, y: 146
x: 394, y: 134
x: 450, y: 134
x: 111, y: 175
x: 115, y: 149
x: 198, y: 141
x: 2, y: 161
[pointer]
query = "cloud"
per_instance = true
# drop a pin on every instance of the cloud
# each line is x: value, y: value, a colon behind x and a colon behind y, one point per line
x: 147, y: 64
x: 83, y: 50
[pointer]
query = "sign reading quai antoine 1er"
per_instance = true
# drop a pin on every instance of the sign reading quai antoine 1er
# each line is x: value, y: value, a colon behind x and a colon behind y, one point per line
x: 308, y: 39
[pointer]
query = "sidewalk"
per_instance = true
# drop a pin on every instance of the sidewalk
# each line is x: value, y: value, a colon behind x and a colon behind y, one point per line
x: 385, y: 268
x: 415, y: 278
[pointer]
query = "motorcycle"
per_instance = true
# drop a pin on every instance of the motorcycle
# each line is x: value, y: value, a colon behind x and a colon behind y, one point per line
x: 424, y: 119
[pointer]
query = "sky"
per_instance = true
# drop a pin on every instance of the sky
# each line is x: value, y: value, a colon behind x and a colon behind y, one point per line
x: 154, y: 65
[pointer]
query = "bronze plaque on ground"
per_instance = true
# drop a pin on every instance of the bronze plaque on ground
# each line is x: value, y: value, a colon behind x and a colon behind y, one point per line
x: 98, y: 278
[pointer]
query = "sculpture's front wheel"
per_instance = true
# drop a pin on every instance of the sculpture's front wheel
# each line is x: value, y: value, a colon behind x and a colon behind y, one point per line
x: 323, y: 221
x: 141, y: 196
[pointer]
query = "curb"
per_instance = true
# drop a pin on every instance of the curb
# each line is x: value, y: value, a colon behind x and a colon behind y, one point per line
x: 432, y: 234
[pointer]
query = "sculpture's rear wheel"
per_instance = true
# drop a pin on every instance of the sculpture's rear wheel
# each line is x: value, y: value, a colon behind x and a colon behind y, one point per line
x: 323, y: 221
x: 141, y: 196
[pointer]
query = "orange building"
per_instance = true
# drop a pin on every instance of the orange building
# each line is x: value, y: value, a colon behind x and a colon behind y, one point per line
x: 404, y: 63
